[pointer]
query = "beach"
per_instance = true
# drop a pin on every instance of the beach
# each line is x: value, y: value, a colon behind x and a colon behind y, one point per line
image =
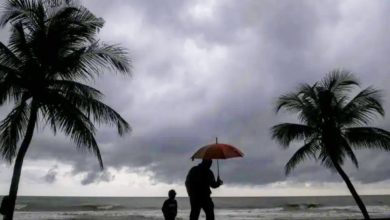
x: 227, y: 208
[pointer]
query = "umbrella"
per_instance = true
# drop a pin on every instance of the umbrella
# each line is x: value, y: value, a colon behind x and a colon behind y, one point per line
x: 217, y: 151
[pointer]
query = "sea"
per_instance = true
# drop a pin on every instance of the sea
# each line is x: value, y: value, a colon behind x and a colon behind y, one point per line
x: 226, y: 208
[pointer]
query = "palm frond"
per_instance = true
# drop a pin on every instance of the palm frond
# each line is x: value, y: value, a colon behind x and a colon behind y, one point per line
x: 28, y: 12
x: 348, y: 150
x: 363, y: 108
x: 86, y: 99
x: 75, y: 124
x: 82, y: 17
x: 306, y: 151
x: 368, y: 137
x: 7, y: 71
x: 326, y: 161
x: 287, y: 132
x: 19, y: 43
x: 100, y: 112
x: 73, y: 26
x: 339, y: 81
x: 5, y: 91
x: 7, y: 57
x: 67, y: 87
x: 304, y: 102
x: 290, y: 102
x: 10, y: 90
x: 310, y: 114
x: 89, y: 61
x: 12, y: 128
x: 109, y: 56
x: 16, y: 10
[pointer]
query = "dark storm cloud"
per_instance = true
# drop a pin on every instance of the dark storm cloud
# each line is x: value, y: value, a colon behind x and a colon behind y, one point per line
x: 253, y: 51
x: 97, y: 177
x: 51, y: 175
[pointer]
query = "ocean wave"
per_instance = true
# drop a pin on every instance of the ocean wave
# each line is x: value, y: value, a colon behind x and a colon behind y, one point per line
x: 323, y: 213
x: 100, y: 207
x: 301, y: 206
x: 84, y: 215
x: 343, y: 209
x: 20, y: 206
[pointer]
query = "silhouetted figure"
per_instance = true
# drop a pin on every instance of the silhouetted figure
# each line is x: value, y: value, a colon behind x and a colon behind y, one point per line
x: 169, y: 207
x: 198, y: 182
x: 4, y: 208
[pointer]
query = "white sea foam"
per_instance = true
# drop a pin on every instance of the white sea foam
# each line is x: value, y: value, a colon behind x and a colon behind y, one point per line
x: 20, y: 206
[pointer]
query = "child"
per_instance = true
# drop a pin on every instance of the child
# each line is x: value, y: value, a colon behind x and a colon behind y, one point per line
x: 169, y: 208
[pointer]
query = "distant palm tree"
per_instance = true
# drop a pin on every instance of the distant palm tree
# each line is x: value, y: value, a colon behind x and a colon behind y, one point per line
x: 332, y: 124
x: 52, y: 53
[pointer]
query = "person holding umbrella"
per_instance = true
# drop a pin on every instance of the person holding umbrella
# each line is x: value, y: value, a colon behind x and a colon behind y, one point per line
x: 198, y: 182
x: 200, y: 178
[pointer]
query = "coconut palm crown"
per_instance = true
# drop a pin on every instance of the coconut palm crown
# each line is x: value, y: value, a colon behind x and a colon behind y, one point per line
x: 45, y: 70
x: 334, y: 121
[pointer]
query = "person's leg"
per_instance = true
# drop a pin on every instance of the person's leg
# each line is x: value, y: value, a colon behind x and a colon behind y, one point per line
x: 195, y: 208
x: 208, y: 207
x: 168, y: 217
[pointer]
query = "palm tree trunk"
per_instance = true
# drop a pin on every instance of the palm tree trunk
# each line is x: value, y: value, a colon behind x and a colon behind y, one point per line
x: 351, y: 188
x: 19, y: 162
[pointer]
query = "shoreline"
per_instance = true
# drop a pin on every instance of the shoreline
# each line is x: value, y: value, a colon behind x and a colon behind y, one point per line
x: 164, y: 196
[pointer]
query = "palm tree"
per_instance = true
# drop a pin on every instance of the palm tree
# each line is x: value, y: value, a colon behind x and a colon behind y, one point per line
x: 332, y: 124
x: 45, y: 69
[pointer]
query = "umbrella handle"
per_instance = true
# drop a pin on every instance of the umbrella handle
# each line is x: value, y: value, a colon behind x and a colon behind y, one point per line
x: 218, y: 167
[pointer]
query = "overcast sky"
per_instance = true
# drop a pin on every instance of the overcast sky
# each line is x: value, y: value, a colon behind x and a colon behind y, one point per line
x: 209, y: 68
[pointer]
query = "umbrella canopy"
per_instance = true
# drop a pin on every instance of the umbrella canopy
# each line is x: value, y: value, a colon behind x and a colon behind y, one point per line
x: 217, y: 151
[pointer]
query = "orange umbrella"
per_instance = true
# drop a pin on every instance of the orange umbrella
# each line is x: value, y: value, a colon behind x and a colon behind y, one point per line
x: 217, y: 151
